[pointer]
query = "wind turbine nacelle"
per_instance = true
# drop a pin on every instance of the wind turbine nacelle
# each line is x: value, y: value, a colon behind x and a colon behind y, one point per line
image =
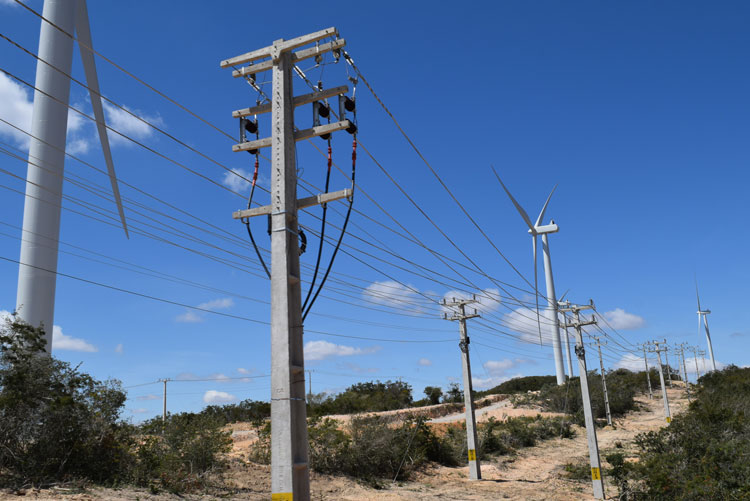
x: 704, y: 312
x: 548, y: 228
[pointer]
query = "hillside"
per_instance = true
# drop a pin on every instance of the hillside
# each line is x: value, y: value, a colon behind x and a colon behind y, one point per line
x: 533, y: 473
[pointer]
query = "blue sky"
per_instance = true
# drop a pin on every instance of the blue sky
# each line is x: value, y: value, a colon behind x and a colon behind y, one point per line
x: 638, y: 111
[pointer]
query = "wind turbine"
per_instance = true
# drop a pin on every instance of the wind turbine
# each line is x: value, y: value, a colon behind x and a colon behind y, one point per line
x: 536, y: 229
x: 702, y: 314
x: 37, y: 273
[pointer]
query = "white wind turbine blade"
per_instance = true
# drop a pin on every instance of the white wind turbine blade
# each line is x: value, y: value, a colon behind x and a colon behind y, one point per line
x: 520, y: 210
x: 536, y: 290
x: 697, y: 296
x: 85, y: 44
x: 541, y: 214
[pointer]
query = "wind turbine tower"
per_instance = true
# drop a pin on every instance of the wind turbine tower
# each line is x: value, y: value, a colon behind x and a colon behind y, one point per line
x: 37, y: 273
x: 703, y: 316
x: 552, y: 316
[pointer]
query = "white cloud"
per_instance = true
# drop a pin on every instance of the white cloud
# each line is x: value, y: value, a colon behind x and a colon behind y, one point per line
x: 320, y: 350
x: 15, y: 107
x: 217, y: 304
x: 193, y: 317
x: 233, y: 181
x: 128, y: 124
x: 497, y: 371
x: 621, y: 319
x: 218, y: 397
x: 244, y: 371
x: 391, y: 293
x: 119, y: 349
x: 189, y: 317
x: 488, y: 300
x: 78, y: 146
x: 634, y: 363
x: 147, y: 397
x: 62, y: 342
x: 425, y: 362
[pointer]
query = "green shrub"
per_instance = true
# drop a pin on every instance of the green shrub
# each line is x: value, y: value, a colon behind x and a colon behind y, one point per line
x: 703, y: 453
x: 622, y: 386
x: 56, y: 423
x: 373, y: 396
x: 519, y: 385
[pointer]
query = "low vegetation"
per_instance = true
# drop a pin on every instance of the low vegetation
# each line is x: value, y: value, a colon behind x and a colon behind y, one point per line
x: 375, y: 450
x: 703, y: 453
x: 60, y: 425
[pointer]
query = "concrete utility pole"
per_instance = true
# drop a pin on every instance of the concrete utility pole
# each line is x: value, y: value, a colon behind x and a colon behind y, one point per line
x: 475, y: 471
x: 309, y: 383
x: 596, y: 471
x: 289, y: 459
x: 567, y: 340
x: 669, y: 369
x: 164, y: 402
x: 684, y: 370
x: 597, y: 339
x: 37, y: 278
x: 648, y: 372
x: 695, y: 359
x: 658, y: 351
x: 702, y: 353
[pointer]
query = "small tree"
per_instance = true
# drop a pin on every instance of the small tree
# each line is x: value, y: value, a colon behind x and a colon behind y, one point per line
x: 56, y: 423
x: 454, y: 394
x: 433, y: 394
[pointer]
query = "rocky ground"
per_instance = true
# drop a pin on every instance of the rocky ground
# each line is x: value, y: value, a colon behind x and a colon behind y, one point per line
x: 535, y: 473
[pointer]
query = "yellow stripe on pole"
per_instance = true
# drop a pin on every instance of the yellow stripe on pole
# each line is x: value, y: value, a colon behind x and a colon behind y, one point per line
x: 596, y: 474
x: 472, y: 455
x: 282, y: 496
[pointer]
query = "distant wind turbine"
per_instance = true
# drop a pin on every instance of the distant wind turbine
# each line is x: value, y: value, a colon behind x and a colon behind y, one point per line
x: 536, y: 229
x: 35, y: 300
x: 703, y: 314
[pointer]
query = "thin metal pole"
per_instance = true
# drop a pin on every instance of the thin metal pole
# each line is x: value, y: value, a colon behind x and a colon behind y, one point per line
x: 658, y: 351
x: 35, y: 300
x: 604, y: 381
x: 648, y: 373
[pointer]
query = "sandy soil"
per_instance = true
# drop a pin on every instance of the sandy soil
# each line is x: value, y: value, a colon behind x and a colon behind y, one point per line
x: 535, y: 473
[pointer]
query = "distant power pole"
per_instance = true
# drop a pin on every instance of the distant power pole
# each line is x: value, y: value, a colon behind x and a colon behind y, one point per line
x: 648, y: 372
x: 475, y: 472
x: 309, y: 383
x: 289, y: 458
x: 658, y: 348
x: 695, y: 359
x: 669, y: 368
x: 164, y: 402
x: 596, y: 471
x: 604, y: 378
x: 684, y: 370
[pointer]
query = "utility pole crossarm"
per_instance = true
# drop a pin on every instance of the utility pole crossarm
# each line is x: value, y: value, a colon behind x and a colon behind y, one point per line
x: 279, y: 47
x: 298, y: 56
x: 299, y: 135
x: 302, y: 203
x: 298, y: 101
